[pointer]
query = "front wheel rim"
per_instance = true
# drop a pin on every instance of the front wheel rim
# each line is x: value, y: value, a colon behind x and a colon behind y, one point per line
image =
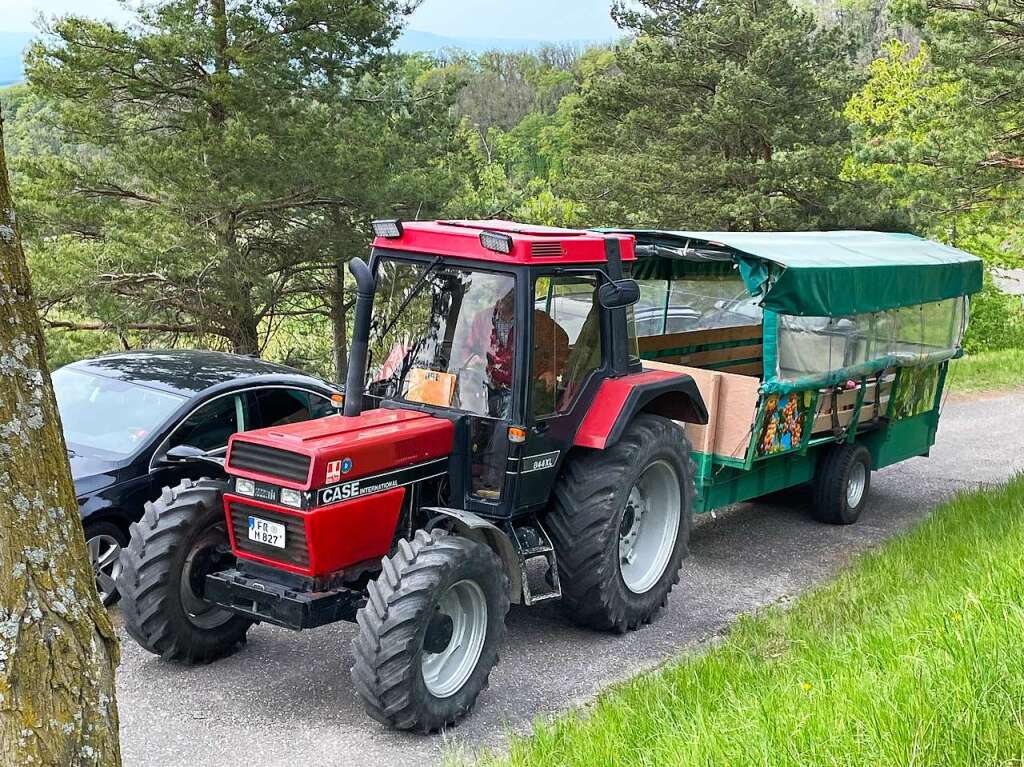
x: 649, y: 527
x: 447, y: 671
x: 209, y: 554
x: 105, y: 557
x: 855, y: 484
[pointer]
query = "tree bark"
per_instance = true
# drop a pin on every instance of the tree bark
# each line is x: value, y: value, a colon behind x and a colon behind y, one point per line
x: 58, y: 651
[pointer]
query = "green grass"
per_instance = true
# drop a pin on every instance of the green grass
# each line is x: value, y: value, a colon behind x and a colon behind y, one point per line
x: 913, y: 655
x: 987, y: 370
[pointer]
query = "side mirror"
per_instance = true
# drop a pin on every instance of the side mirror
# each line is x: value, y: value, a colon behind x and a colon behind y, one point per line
x: 184, y: 454
x: 618, y: 294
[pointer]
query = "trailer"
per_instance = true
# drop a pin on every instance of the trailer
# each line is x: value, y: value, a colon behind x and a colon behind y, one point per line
x: 820, y: 356
x: 535, y: 414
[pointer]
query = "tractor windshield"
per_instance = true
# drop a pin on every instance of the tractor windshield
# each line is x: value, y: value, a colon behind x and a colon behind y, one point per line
x: 443, y: 335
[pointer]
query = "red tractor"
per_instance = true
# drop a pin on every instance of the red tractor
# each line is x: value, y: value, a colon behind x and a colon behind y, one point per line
x: 500, y: 443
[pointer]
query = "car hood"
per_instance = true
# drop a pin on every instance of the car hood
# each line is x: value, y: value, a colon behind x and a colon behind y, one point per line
x: 91, y: 474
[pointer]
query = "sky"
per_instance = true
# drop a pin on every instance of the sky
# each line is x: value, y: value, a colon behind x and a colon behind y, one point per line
x: 553, y: 20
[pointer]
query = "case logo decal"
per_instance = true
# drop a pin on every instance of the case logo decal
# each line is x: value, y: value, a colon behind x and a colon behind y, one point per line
x: 333, y: 471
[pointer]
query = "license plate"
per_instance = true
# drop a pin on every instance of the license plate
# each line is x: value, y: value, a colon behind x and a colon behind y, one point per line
x: 266, y: 532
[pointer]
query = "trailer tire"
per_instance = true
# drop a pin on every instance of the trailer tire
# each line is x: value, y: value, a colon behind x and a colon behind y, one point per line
x: 403, y: 684
x: 181, y: 537
x: 594, y: 503
x: 841, y: 483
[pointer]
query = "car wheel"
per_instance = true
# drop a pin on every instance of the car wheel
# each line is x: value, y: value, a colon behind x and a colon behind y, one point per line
x: 104, y: 541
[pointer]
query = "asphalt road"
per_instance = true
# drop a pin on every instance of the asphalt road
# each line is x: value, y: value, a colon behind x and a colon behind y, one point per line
x: 286, y: 698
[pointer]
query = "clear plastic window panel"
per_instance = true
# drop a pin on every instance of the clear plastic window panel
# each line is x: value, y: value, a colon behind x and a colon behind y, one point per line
x: 814, y: 346
x: 698, y: 303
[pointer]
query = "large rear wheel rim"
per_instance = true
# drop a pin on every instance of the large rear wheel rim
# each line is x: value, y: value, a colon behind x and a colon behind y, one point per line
x: 649, y: 527
x: 447, y: 671
x: 105, y: 556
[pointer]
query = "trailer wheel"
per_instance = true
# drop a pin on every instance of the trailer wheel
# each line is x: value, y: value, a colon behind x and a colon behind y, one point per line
x: 430, y: 631
x: 841, y: 483
x: 621, y: 525
x: 180, y: 539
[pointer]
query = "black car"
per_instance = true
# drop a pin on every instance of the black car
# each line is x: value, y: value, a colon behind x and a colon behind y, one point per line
x: 140, y: 421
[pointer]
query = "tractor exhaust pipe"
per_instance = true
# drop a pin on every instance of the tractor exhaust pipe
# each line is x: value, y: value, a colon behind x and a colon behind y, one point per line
x: 365, y: 287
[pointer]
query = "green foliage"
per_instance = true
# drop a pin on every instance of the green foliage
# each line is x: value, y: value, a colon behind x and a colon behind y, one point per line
x: 987, y: 371
x: 194, y: 179
x: 724, y: 116
x: 200, y: 172
x: 997, y: 322
x: 910, y: 657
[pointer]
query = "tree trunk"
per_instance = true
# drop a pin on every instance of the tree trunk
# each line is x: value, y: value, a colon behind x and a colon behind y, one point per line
x: 58, y: 650
x: 242, y: 327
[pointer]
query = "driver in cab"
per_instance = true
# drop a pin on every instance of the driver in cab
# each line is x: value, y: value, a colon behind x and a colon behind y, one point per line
x: 491, y: 338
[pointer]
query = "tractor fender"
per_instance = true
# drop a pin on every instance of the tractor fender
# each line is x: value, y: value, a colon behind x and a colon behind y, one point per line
x: 479, y: 529
x: 618, y: 400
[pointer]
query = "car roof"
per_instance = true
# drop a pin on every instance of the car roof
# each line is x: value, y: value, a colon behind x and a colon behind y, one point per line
x: 190, y: 372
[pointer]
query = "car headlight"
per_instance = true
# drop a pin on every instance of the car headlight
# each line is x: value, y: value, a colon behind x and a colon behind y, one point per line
x: 245, y: 487
x: 291, y: 497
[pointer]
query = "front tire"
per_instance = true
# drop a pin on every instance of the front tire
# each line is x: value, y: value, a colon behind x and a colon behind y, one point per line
x: 621, y: 525
x: 180, y: 539
x: 841, y: 484
x: 430, y: 631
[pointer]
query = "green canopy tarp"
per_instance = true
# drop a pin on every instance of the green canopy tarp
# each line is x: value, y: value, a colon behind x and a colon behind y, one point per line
x: 835, y: 273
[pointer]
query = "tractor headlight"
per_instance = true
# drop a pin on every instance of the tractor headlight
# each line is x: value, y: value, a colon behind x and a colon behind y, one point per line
x: 291, y: 497
x: 496, y: 241
x: 245, y: 487
x: 389, y: 228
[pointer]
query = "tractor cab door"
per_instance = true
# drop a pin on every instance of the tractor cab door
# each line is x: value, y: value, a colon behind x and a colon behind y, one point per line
x: 566, y: 360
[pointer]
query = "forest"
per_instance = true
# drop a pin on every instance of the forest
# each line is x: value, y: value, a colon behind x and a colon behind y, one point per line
x: 200, y: 177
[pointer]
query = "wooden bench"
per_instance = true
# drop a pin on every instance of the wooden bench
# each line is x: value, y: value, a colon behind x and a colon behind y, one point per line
x: 828, y: 418
x: 733, y: 350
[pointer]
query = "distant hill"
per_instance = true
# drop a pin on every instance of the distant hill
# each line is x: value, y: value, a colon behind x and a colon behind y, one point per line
x: 413, y: 40
x: 12, y: 47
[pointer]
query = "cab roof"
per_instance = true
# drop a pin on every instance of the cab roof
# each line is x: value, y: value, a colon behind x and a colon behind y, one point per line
x: 530, y: 244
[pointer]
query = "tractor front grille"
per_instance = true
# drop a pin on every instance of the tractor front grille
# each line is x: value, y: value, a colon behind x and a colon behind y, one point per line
x: 296, y: 548
x: 271, y: 461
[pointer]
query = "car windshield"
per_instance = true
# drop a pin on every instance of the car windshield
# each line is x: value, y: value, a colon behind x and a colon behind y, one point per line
x: 443, y: 335
x: 108, y: 415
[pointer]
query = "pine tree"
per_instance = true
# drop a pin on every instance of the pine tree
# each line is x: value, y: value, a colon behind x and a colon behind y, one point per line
x: 721, y: 115
x: 213, y: 161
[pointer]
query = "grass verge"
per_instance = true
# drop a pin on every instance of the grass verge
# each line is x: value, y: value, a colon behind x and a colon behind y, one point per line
x: 985, y: 371
x: 914, y: 655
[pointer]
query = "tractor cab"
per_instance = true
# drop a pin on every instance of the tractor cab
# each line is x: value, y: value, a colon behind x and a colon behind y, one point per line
x: 508, y: 331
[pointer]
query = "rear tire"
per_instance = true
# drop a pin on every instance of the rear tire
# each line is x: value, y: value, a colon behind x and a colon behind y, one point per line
x: 181, y: 537
x: 841, y: 484
x: 430, y: 632
x: 595, y: 521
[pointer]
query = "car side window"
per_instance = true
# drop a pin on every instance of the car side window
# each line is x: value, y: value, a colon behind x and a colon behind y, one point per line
x: 210, y: 425
x: 278, y: 406
x: 320, y: 406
